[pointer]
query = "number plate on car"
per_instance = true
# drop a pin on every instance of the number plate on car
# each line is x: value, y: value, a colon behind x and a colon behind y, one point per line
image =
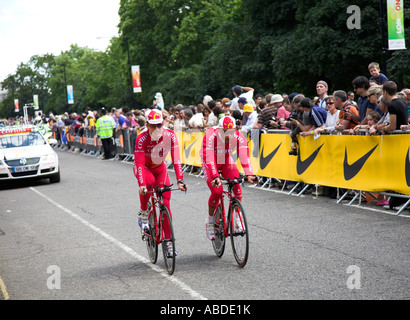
x: 25, y: 168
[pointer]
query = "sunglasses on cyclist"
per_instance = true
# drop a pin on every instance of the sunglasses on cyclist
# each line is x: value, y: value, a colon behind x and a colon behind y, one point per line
x: 330, y: 103
x: 158, y: 125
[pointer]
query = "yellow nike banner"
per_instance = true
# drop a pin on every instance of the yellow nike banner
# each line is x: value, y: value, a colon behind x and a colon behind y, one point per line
x: 369, y: 163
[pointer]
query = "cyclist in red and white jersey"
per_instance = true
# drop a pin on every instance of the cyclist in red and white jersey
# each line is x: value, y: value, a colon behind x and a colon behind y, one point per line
x: 151, y: 149
x: 218, y: 146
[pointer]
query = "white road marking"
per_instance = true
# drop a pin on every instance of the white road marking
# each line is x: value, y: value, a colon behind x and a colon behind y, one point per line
x: 127, y: 249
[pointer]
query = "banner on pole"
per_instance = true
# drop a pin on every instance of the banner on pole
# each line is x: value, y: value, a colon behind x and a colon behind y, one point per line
x: 35, y: 102
x: 70, y: 94
x: 16, y: 105
x: 136, y: 78
x: 395, y: 24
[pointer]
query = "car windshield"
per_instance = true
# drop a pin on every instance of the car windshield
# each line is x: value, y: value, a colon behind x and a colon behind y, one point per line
x: 21, y: 140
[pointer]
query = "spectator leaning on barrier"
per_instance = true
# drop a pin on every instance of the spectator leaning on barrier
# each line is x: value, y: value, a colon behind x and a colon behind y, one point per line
x: 406, y: 92
x: 397, y: 108
x: 283, y: 112
x: 361, y: 85
x: 105, y: 127
x: 118, y: 118
x: 267, y: 117
x: 292, y: 122
x: 331, y: 118
x: 317, y: 116
x: 373, y: 94
x: 385, y: 119
x: 348, y: 115
x: 251, y: 117
x: 373, y: 119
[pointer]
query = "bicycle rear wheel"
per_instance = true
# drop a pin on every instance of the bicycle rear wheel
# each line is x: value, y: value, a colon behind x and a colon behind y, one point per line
x: 152, y: 245
x: 168, y: 244
x: 219, y: 242
x: 238, y: 230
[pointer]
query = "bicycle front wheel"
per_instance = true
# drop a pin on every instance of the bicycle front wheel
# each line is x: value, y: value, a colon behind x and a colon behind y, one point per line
x: 152, y: 245
x: 238, y: 230
x: 168, y: 244
x: 219, y: 242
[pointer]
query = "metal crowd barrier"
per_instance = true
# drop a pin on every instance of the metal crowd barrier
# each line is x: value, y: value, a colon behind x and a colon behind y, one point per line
x: 124, y: 141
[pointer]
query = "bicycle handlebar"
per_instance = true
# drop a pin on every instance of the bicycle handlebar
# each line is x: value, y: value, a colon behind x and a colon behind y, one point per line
x: 234, y: 181
x: 162, y: 189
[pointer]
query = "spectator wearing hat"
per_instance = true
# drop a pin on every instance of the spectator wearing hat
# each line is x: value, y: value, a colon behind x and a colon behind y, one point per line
x: 267, y: 117
x: 159, y: 101
x: 226, y: 104
x: 251, y: 117
x: 238, y: 92
x: 241, y: 103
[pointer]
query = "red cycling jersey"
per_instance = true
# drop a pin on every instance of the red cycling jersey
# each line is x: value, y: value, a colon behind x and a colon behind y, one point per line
x: 217, y: 154
x: 151, y: 154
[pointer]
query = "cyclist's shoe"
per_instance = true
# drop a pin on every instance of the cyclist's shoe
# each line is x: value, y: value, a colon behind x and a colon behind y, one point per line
x: 170, y: 250
x: 143, y: 221
x: 210, y: 229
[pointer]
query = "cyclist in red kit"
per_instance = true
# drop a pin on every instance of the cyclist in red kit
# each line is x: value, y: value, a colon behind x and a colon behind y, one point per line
x: 151, y: 148
x: 218, y: 146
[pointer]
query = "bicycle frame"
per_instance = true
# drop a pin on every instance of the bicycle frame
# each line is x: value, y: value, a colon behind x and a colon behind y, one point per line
x: 156, y: 206
x: 231, y: 197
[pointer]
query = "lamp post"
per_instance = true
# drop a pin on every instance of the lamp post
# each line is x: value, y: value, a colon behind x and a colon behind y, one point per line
x: 383, y: 31
x: 133, y: 104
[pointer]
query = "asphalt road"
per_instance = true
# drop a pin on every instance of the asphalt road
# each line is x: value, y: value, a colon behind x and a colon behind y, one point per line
x: 79, y: 239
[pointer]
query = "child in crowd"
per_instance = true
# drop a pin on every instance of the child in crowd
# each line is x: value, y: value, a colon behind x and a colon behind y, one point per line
x: 376, y: 75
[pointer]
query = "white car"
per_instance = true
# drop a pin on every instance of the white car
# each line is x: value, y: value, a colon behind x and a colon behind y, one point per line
x: 24, y: 153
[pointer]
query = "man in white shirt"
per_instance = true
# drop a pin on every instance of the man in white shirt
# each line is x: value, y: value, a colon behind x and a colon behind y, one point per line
x: 238, y: 92
x: 251, y: 116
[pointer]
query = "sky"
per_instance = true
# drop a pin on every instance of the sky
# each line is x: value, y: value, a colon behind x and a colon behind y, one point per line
x: 37, y: 27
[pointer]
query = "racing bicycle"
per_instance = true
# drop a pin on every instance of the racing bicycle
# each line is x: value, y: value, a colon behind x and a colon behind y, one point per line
x: 157, y: 213
x: 232, y: 224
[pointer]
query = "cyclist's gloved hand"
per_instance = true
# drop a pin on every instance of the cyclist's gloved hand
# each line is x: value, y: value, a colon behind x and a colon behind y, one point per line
x: 253, y: 179
x: 143, y: 190
x: 216, y: 182
x: 182, y: 186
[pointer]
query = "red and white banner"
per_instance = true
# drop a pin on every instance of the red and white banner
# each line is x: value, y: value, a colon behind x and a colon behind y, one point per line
x: 136, y: 78
x: 16, y: 105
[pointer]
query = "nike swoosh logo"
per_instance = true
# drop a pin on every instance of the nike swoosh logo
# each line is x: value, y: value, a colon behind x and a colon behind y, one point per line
x: 302, y: 166
x: 264, y: 161
x: 351, y: 170
x: 188, y: 149
x: 407, y: 168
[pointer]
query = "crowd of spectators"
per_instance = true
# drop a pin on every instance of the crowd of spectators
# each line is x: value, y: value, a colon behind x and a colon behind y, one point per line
x: 326, y: 112
x: 380, y: 108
